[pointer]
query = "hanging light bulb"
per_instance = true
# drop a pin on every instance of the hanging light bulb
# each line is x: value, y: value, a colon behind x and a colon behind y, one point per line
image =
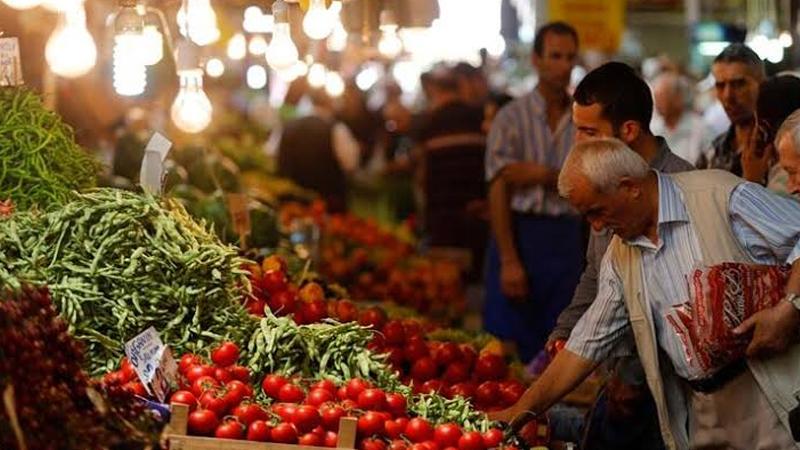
x: 337, y: 41
x: 318, y: 21
x: 317, y: 75
x: 390, y: 44
x: 281, y: 53
x: 153, y: 41
x: 130, y: 75
x: 22, y: 4
x: 785, y: 39
x: 215, y: 68
x: 191, y: 112
x: 258, y: 45
x: 237, y: 47
x: 198, y: 21
x: 299, y: 69
x: 256, y: 77
x: 334, y: 84
x: 71, y: 51
x: 61, y: 5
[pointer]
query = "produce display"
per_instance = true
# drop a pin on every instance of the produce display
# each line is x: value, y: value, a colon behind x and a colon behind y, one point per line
x: 40, y: 163
x: 55, y: 405
x: 118, y: 262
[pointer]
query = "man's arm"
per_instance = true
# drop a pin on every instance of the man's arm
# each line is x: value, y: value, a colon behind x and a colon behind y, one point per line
x: 513, y: 280
x: 565, y: 373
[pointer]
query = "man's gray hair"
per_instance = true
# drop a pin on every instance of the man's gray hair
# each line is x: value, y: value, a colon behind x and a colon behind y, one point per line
x: 604, y: 162
x: 790, y: 126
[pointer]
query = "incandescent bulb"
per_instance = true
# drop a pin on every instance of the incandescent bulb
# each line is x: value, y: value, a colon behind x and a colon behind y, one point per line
x: 153, y: 45
x: 390, y: 44
x: 198, y: 21
x: 237, y: 47
x: 215, y: 68
x: 317, y: 75
x: 281, y: 53
x: 334, y: 84
x: 61, y: 5
x: 191, y: 112
x: 337, y: 41
x: 71, y: 51
x: 22, y: 4
x: 785, y: 39
x: 256, y: 77
x: 258, y: 45
x: 130, y: 75
x: 318, y: 21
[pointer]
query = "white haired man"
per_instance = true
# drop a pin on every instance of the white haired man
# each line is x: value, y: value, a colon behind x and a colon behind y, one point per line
x: 685, y: 131
x: 665, y: 226
x: 787, y: 141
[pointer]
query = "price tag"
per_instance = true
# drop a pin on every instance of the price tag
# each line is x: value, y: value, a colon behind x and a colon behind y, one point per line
x: 152, y: 170
x: 10, y: 62
x: 240, y: 215
x: 154, y: 364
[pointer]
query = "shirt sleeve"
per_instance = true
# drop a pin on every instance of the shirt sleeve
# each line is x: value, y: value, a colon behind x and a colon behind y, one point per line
x: 767, y: 225
x: 606, y: 322
x: 503, y: 145
x: 346, y: 147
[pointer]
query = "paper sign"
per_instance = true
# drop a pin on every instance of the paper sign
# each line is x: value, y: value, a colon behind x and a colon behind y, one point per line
x: 153, y: 362
x: 240, y: 213
x: 10, y: 62
x: 152, y: 170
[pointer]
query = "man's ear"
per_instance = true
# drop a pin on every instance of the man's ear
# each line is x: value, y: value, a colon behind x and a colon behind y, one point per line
x: 629, y: 131
x: 630, y: 186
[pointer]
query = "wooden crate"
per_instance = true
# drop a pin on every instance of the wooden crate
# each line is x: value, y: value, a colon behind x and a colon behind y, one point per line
x: 179, y: 440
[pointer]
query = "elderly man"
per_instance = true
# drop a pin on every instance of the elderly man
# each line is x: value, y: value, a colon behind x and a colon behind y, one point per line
x: 666, y: 226
x: 685, y: 131
x: 787, y: 141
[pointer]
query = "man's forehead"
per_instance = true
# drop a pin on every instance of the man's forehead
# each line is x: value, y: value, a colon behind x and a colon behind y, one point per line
x: 730, y: 71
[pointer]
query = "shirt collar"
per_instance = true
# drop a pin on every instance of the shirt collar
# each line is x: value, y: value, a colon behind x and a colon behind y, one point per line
x: 661, y: 154
x: 670, y: 201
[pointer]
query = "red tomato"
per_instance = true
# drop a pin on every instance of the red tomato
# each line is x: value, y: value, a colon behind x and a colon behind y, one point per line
x: 284, y: 433
x: 184, y: 398
x: 372, y: 317
x: 341, y: 393
x: 306, y: 418
x: 431, y: 445
x: 331, y: 439
x: 510, y: 392
x: 456, y: 372
x: 274, y: 281
x: 468, y: 354
x: 127, y: 370
x: 374, y: 399
x: 203, y: 384
x: 487, y: 393
x: 222, y: 375
x: 370, y: 424
x: 259, y: 431
x: 136, y: 388
x: 490, y: 367
x: 317, y: 396
x: 330, y: 416
x: 433, y: 386
x: 492, y: 438
x: 230, y: 429
x: 447, y: 435
x: 466, y: 390
x: 285, y: 411
x: 113, y: 378
x: 188, y: 360
x: 394, y: 332
x: 243, y: 389
x: 256, y: 306
x: 311, y: 292
x: 199, y: 370
x: 419, y: 430
x: 247, y: 413
x: 202, y: 422
x: 326, y: 385
x: 283, y: 303
x: 393, y: 429
x: 214, y: 400
x: 310, y: 439
x: 372, y: 444
x: 226, y: 354
x: 396, y: 404
x: 471, y: 440
x: 424, y: 369
x: 272, y: 385
x: 274, y: 262
x: 398, y: 444
x: 447, y: 353
x: 416, y: 349
x: 355, y: 387
x: 348, y: 405
x: 240, y: 373
x: 346, y: 311
x: 291, y: 393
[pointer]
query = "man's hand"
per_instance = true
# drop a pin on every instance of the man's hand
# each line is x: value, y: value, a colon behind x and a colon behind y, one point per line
x: 513, y: 280
x: 772, y: 329
x: 514, y: 416
x: 757, y: 158
x: 525, y: 174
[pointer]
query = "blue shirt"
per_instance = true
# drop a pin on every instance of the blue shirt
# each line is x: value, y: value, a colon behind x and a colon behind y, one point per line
x: 520, y: 133
x: 766, y: 225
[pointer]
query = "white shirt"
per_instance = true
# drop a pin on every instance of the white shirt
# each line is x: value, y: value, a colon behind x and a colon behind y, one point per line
x: 690, y: 138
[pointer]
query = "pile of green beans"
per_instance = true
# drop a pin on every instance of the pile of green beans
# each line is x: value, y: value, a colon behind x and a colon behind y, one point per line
x: 117, y: 263
x: 40, y: 163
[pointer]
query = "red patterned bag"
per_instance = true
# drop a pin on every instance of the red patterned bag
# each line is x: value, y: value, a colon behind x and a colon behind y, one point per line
x: 721, y: 298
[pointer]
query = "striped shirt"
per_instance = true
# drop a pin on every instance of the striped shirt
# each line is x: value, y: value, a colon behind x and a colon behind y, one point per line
x: 520, y: 133
x: 766, y: 225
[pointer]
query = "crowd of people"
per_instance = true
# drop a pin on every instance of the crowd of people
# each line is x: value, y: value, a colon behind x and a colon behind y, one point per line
x: 591, y: 207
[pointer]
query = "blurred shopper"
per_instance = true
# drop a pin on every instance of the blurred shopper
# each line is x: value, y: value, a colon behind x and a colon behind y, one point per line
x: 612, y: 101
x: 364, y: 123
x: 684, y: 130
x: 493, y: 104
x: 473, y: 87
x: 317, y: 152
x: 536, y: 254
x: 448, y: 113
x: 787, y: 142
x: 737, y: 71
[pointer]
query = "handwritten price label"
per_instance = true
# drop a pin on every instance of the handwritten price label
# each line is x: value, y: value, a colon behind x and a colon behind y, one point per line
x: 10, y: 62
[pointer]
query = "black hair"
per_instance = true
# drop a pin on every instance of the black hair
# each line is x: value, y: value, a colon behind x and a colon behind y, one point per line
x: 778, y: 97
x: 740, y: 53
x: 552, y: 27
x: 466, y: 70
x: 621, y: 93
